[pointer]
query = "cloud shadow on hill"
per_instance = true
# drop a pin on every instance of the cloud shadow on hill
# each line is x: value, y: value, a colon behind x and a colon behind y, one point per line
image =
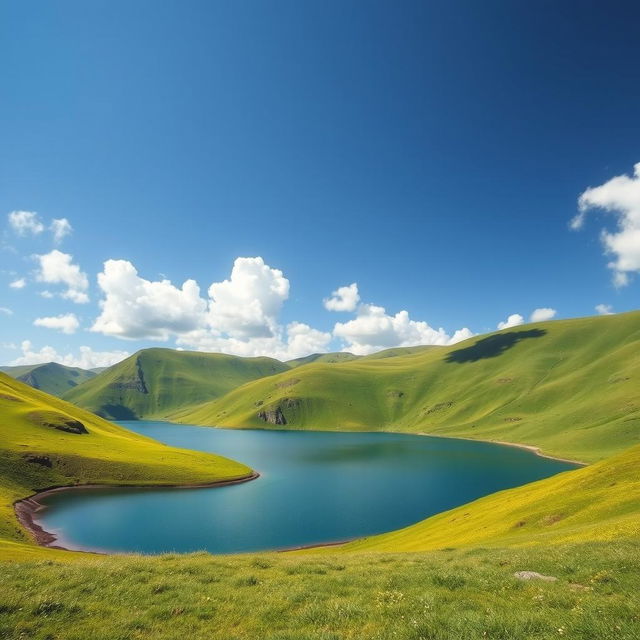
x: 492, y: 346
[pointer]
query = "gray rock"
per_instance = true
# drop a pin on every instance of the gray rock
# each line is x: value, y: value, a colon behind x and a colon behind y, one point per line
x: 533, y: 575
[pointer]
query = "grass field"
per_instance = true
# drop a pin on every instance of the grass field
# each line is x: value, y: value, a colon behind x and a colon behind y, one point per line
x: 444, y: 595
x: 153, y: 382
x: 570, y: 387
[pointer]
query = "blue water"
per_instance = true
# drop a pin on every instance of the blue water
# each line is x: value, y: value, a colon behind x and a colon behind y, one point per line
x: 314, y: 487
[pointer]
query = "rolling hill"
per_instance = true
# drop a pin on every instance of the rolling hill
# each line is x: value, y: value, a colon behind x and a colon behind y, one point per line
x: 154, y: 382
x: 570, y: 387
x: 49, y: 377
x: 48, y: 442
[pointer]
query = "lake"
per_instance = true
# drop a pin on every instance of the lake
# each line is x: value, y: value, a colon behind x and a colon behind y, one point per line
x: 314, y: 487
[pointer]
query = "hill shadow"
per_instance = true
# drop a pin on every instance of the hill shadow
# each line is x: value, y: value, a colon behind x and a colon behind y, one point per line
x: 492, y: 346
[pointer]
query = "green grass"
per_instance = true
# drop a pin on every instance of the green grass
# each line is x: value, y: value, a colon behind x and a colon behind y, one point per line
x: 443, y: 595
x: 36, y: 453
x: 571, y: 387
x: 326, y: 358
x: 154, y: 382
x: 51, y: 377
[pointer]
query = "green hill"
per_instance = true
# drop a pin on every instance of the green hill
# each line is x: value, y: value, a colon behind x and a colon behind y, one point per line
x: 328, y: 358
x: 154, y: 382
x: 570, y: 387
x: 48, y: 442
x: 49, y: 377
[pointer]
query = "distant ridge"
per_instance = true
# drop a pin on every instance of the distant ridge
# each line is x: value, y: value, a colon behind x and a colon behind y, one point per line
x: 50, y: 377
x: 154, y: 382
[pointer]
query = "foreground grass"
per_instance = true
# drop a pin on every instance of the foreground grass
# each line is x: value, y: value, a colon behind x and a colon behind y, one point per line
x: 443, y: 595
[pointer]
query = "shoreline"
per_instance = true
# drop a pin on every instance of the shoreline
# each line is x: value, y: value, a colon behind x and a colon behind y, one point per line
x: 26, y: 509
x: 529, y: 447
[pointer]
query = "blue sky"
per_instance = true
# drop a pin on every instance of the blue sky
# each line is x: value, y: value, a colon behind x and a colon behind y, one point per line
x: 431, y: 152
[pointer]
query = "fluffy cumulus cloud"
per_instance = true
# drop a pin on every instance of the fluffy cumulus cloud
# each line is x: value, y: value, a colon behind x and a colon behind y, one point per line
x: 343, y: 299
x: 67, y: 323
x: 604, y: 309
x: 240, y: 315
x: 58, y: 268
x: 136, y: 308
x: 373, y: 329
x: 513, y: 320
x: 621, y: 197
x: 248, y: 303
x: 86, y: 358
x: 20, y: 283
x: 60, y: 228
x: 5, y: 311
x: 543, y: 314
x: 25, y: 223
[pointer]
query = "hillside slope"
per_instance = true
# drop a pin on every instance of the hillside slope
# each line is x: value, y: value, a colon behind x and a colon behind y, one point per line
x: 46, y: 442
x: 49, y: 377
x: 570, y: 387
x: 154, y: 382
x: 598, y: 502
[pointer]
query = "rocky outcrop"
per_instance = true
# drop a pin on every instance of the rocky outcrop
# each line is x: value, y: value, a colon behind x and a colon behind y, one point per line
x: 43, y: 461
x: 273, y: 416
x: 53, y: 420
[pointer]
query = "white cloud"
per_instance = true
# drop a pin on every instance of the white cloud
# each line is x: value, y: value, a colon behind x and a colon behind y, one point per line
x: 60, y: 227
x: 373, y: 330
x: 87, y: 358
x: 343, y: 299
x: 513, y: 320
x: 604, y: 309
x: 25, y: 222
x: 20, y: 283
x: 543, y: 314
x: 57, y: 268
x: 620, y: 196
x: 5, y: 311
x: 46, y: 294
x: 67, y: 323
x: 136, y: 308
x: 248, y: 303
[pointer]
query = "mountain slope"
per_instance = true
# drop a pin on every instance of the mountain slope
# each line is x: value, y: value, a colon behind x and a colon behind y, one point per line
x: 570, y: 387
x: 154, y: 382
x: 49, y: 377
x: 48, y: 442
x: 598, y: 502
x: 328, y: 358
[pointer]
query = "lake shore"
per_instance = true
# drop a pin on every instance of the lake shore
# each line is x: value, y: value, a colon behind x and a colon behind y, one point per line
x: 26, y: 509
x: 529, y: 447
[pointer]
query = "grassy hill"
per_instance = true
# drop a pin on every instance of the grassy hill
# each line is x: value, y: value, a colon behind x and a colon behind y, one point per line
x: 570, y: 387
x: 49, y: 377
x: 154, y: 382
x: 327, y: 358
x: 46, y: 442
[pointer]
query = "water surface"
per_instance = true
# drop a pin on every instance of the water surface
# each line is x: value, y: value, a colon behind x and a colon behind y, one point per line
x: 315, y: 487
